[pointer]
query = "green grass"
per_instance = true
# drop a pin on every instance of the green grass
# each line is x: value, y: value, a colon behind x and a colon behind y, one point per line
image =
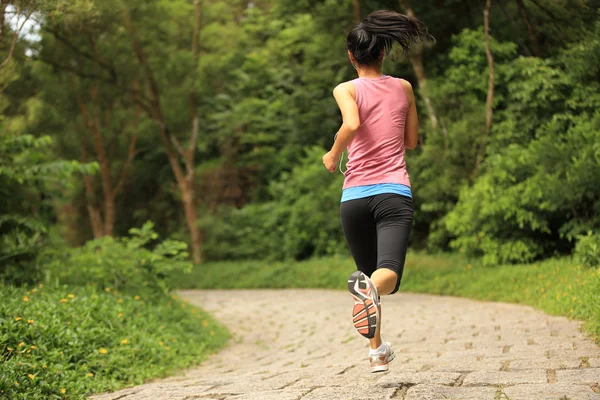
x: 64, y: 343
x: 556, y: 286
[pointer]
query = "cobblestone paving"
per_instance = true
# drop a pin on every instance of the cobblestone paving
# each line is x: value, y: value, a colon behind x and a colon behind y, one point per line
x: 300, y: 345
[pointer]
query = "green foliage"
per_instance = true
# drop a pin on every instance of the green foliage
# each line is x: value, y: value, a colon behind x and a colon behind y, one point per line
x: 555, y: 286
x: 66, y: 342
x: 133, y: 265
x: 587, y: 250
x: 26, y: 170
x: 540, y: 186
x: 297, y: 223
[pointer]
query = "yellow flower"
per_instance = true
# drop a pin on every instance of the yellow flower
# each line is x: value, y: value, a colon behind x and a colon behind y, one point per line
x: 574, y: 298
x: 34, y: 290
x: 9, y: 348
x: 124, y: 341
x: 70, y: 296
x: 33, y: 347
x: 31, y: 376
x: 25, y: 298
x: 103, y: 351
x: 18, y: 318
x: 212, y: 333
x: 205, y: 323
x: 30, y: 321
x: 90, y: 374
x: 41, y: 285
x: 137, y: 297
x: 167, y: 348
x: 107, y: 289
x: 21, y: 344
x: 120, y: 314
x: 63, y: 390
x: 160, y: 343
x: 63, y: 300
x: 120, y: 301
x: 61, y: 353
x: 44, y: 366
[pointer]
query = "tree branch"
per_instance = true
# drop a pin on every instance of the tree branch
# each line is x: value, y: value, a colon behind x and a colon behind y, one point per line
x: 532, y: 38
x: 111, y: 70
x: 356, y: 6
x: 13, y: 45
x: 490, y: 96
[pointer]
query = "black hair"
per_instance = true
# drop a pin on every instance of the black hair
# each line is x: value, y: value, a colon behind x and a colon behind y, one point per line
x: 379, y: 31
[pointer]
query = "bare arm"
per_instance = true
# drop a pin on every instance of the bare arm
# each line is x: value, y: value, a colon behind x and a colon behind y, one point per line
x: 345, y: 96
x: 411, y: 131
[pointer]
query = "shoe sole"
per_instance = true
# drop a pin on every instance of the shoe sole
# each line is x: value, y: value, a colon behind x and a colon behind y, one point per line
x: 364, y: 313
x: 386, y: 366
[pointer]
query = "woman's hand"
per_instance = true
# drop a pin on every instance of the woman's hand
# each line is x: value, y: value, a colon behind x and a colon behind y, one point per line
x: 330, y: 161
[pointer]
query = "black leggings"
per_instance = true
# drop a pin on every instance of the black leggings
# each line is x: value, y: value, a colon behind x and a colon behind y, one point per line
x: 377, y: 230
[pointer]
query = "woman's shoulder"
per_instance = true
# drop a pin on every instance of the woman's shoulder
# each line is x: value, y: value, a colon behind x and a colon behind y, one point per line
x: 406, y: 85
x: 348, y: 86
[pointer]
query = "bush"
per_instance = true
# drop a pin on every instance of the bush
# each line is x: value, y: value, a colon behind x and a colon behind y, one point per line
x: 124, y: 264
x: 301, y: 221
x: 538, y: 188
x: 27, y: 170
x: 66, y: 342
x: 587, y: 251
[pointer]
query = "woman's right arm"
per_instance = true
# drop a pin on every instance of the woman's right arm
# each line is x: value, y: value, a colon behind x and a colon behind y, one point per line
x: 411, y: 130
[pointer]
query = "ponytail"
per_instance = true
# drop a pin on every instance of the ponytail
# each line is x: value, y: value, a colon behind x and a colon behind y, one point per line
x: 379, y: 31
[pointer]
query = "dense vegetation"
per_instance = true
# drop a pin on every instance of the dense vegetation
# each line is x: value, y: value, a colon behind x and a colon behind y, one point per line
x: 210, y: 119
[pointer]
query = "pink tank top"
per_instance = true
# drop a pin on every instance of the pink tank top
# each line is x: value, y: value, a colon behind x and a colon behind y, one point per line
x: 376, y: 154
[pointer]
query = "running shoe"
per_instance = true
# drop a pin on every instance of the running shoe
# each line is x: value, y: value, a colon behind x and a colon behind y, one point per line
x: 365, y: 313
x: 380, y: 360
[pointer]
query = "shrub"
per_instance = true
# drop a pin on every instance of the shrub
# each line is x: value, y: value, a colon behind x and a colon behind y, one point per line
x: 301, y: 221
x: 66, y: 342
x: 587, y: 250
x: 126, y: 264
x: 27, y: 170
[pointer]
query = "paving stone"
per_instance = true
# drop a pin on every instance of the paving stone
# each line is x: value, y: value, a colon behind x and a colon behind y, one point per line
x: 479, y: 378
x: 440, y: 342
x: 398, y: 379
x: 550, y: 392
x: 272, y: 395
x: 437, y: 392
x: 350, y: 393
x: 584, y: 376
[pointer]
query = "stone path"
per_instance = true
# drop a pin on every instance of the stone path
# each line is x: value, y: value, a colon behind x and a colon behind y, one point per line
x: 300, y: 344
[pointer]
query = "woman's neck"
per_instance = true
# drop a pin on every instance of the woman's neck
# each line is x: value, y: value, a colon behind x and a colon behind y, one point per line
x: 369, y: 72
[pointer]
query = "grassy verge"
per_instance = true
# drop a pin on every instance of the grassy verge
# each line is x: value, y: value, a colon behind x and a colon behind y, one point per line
x: 64, y: 343
x: 554, y: 286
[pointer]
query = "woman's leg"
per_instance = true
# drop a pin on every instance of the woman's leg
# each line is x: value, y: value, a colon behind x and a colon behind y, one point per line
x: 393, y: 217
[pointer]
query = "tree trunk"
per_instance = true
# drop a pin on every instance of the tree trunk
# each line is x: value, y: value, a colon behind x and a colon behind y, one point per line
x: 185, y: 181
x: 490, y: 95
x: 109, y: 198
x: 417, y: 63
x: 90, y: 200
x: 191, y: 217
x: 532, y: 38
x: 357, y: 17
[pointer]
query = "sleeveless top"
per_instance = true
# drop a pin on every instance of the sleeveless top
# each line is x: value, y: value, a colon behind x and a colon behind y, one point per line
x: 376, y: 154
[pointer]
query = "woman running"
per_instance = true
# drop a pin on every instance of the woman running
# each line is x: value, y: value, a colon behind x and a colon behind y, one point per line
x: 379, y: 123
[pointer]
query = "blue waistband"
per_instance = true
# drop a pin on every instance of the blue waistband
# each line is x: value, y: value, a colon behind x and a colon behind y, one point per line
x: 360, y: 192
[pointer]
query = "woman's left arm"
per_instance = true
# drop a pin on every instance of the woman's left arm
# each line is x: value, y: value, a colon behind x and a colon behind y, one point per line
x: 345, y: 96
